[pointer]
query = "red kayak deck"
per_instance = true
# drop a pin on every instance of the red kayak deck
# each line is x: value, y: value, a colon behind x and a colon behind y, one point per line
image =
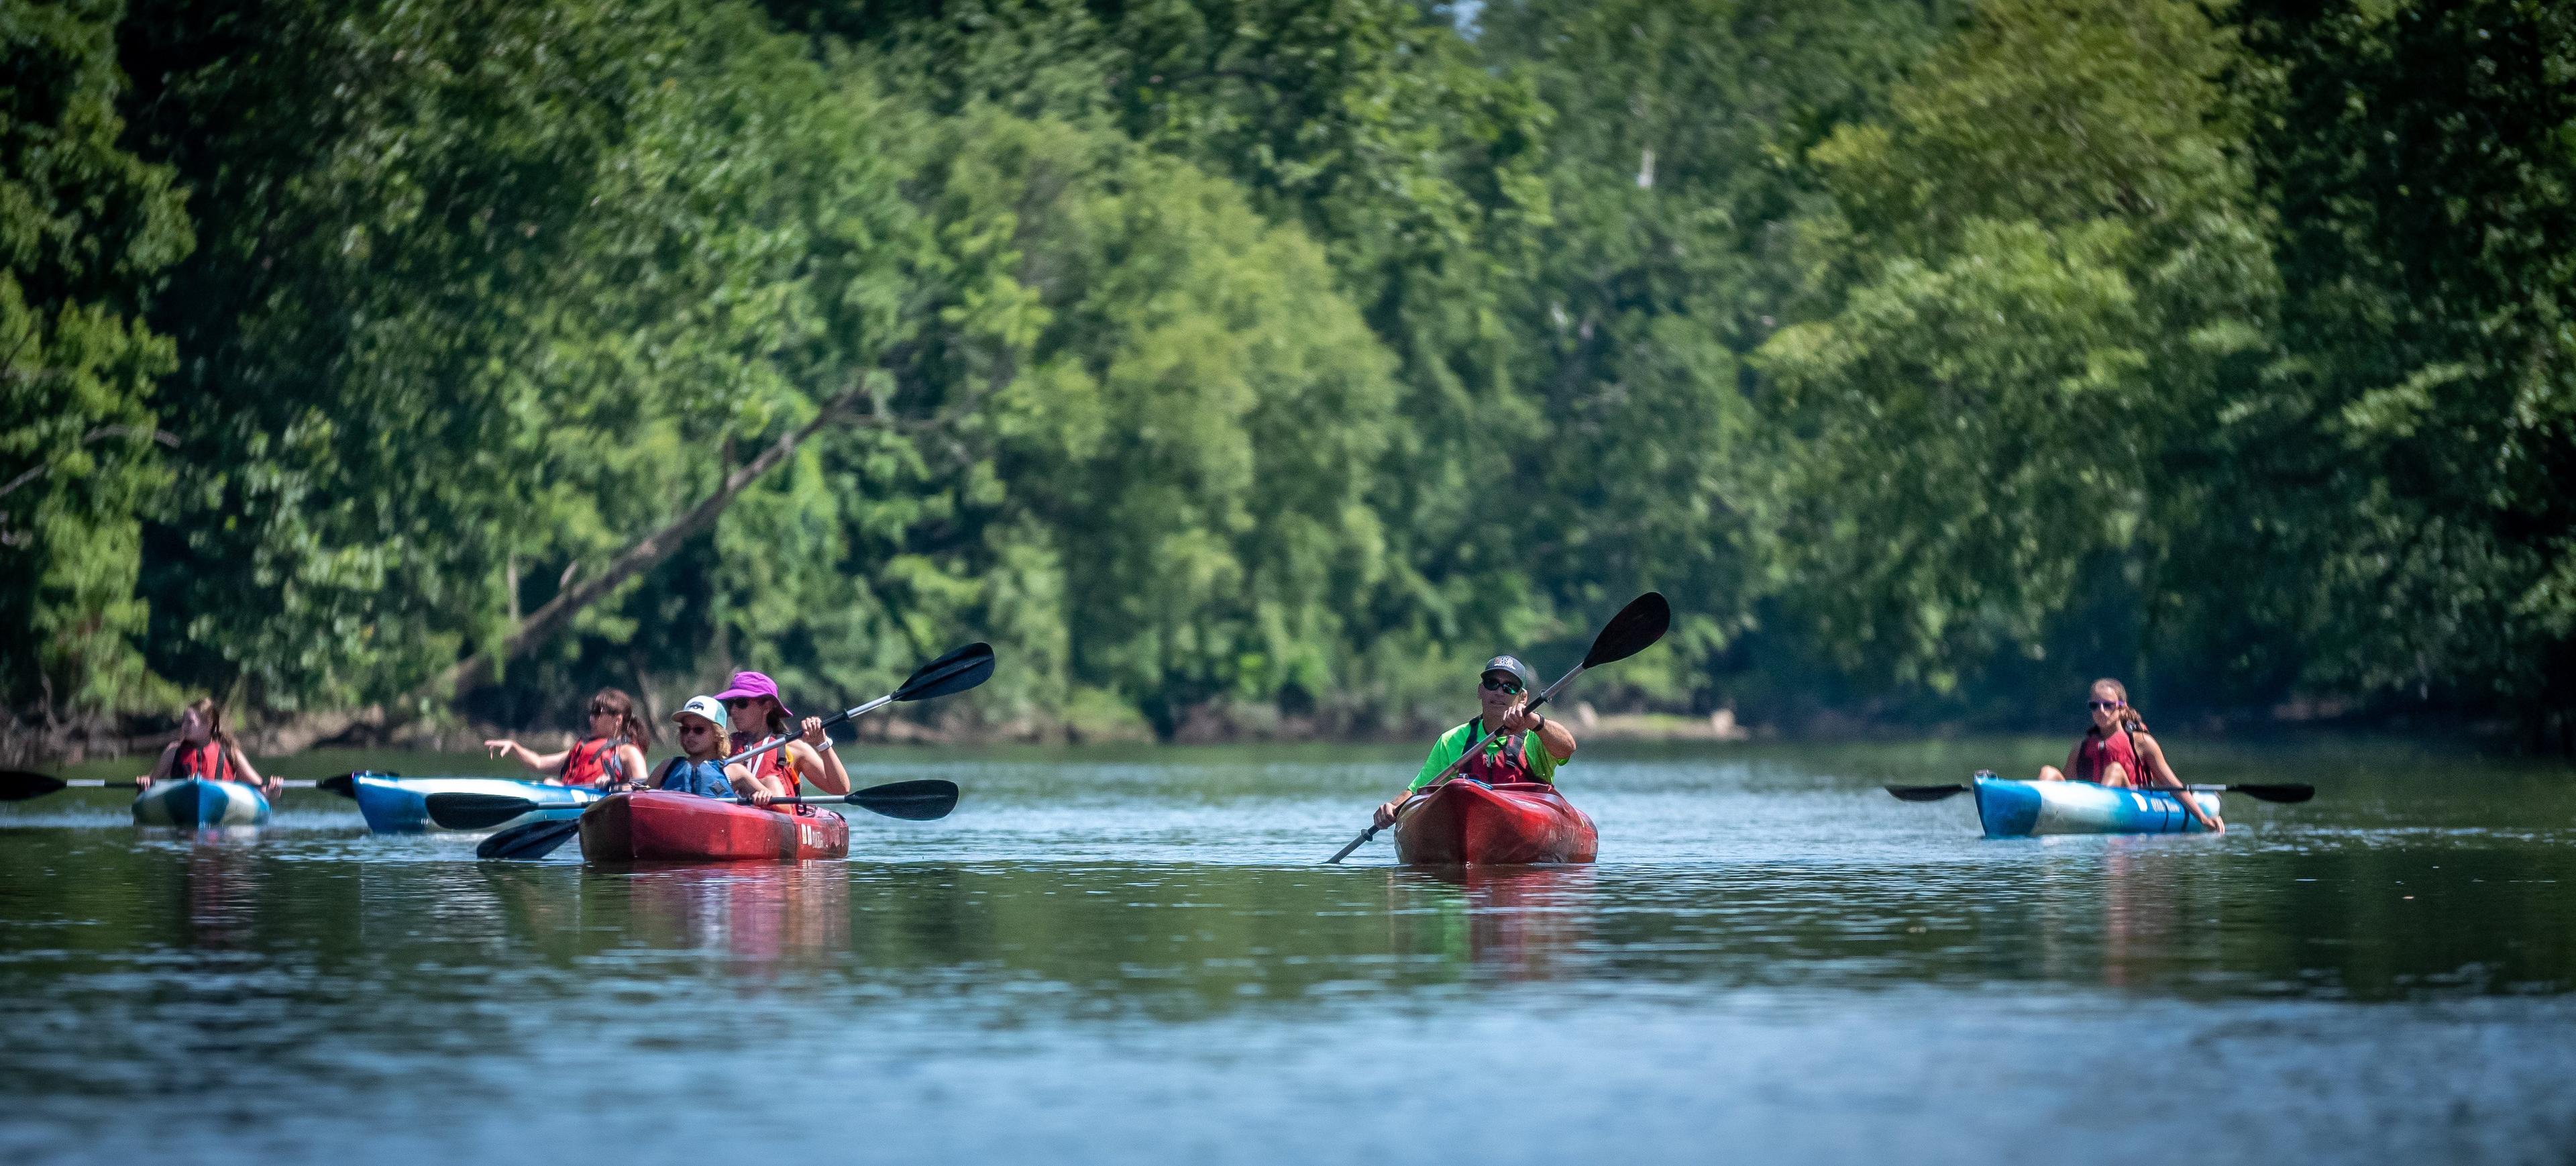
x: 1469, y: 822
x: 662, y: 826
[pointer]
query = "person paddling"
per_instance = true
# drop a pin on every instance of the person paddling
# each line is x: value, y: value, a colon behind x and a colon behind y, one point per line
x: 1502, y: 752
x: 2118, y: 751
x: 701, y: 725
x: 206, y: 749
x: 611, y: 756
x: 752, y: 701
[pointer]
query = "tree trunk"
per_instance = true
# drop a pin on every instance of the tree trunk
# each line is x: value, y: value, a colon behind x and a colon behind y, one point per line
x: 645, y: 554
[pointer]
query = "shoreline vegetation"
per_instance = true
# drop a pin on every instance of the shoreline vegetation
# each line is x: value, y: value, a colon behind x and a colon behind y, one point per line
x: 1250, y: 369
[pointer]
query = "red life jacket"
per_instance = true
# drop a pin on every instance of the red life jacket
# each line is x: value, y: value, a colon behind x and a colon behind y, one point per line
x: 1505, y: 765
x: 592, y: 762
x: 2093, y: 758
x: 210, y: 761
x: 773, y: 764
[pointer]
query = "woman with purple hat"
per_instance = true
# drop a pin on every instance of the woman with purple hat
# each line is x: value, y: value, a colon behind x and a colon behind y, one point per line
x: 759, y: 718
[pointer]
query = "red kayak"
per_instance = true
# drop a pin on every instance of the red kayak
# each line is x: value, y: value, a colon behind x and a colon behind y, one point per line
x: 662, y: 826
x: 1469, y: 821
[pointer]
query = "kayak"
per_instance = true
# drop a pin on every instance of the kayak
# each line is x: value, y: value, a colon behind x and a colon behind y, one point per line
x: 1467, y: 821
x: 197, y: 801
x: 664, y: 826
x: 393, y: 804
x: 2018, y: 809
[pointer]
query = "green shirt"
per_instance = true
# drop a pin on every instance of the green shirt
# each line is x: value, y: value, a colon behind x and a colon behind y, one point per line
x: 1453, y: 744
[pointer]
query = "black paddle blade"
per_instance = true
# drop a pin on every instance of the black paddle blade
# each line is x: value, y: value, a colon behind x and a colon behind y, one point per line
x: 1925, y: 793
x: 1633, y: 630
x: 534, y: 840
x: 955, y: 672
x: 344, y: 784
x: 475, y: 811
x: 18, y: 785
x: 2286, y: 794
x: 914, y: 801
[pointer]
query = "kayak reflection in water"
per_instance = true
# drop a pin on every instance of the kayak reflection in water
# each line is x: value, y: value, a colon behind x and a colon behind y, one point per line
x: 752, y: 701
x: 610, y: 755
x: 206, y: 749
x: 701, y: 769
x: 2118, y: 751
x: 1503, y: 754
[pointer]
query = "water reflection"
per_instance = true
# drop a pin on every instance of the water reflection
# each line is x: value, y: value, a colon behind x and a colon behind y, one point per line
x: 1521, y: 923
x: 221, y: 886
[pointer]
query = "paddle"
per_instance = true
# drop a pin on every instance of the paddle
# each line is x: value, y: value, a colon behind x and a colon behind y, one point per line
x: 918, y: 801
x: 953, y: 673
x: 1633, y: 630
x: 18, y: 785
x: 2287, y: 794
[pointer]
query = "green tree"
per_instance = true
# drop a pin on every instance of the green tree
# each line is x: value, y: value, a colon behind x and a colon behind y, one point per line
x: 2044, y: 278
x: 86, y: 231
x: 2416, y: 463
x: 486, y: 285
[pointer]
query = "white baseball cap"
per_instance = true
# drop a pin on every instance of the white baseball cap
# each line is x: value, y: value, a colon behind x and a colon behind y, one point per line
x: 708, y: 707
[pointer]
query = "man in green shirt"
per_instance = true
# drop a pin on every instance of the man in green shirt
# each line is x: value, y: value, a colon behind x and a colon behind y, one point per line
x: 1503, y: 755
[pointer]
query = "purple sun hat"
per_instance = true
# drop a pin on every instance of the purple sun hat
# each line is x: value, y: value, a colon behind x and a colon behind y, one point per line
x: 755, y: 684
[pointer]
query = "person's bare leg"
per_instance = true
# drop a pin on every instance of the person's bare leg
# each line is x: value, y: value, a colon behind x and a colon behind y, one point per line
x: 2051, y: 773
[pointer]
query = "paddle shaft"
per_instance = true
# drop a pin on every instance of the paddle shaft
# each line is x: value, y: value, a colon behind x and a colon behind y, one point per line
x: 2260, y: 791
x: 129, y: 783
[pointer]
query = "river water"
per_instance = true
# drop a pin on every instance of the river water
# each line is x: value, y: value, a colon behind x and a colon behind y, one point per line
x: 1135, y: 957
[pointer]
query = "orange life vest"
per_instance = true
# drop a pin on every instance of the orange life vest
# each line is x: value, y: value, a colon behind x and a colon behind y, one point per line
x: 210, y: 761
x: 593, y: 761
x: 2094, y: 758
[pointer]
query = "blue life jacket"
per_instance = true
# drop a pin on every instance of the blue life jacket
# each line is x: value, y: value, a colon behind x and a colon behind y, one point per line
x: 703, y: 778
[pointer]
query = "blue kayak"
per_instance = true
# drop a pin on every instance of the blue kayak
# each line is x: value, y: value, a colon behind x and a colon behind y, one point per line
x: 190, y: 802
x: 393, y: 804
x: 2018, y: 809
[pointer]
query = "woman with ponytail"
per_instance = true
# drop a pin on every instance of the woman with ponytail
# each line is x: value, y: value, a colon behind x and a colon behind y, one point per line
x: 2117, y: 751
x: 611, y: 757
x: 206, y: 749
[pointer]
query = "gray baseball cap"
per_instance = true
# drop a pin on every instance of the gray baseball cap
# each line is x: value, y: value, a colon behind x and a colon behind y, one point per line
x: 1513, y: 665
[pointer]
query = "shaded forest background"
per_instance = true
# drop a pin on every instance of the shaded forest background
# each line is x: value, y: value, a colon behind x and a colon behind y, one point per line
x: 1258, y: 367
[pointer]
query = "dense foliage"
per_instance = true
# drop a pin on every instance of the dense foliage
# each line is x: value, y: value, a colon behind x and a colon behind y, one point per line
x: 1226, y: 361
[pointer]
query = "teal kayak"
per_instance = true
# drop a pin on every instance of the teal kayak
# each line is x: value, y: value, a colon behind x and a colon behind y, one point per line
x: 2019, y: 809
x: 190, y: 802
x: 394, y: 804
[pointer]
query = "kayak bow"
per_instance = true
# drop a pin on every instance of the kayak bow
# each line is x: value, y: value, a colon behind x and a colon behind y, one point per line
x: 393, y: 804
x: 1466, y: 821
x: 190, y: 802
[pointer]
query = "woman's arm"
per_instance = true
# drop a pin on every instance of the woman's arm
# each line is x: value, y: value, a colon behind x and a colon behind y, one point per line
x: 631, y: 763
x: 748, y: 785
x: 547, y: 764
x: 242, y: 766
x: 2151, y: 757
x: 2067, y: 774
x: 817, y: 762
x: 161, y: 768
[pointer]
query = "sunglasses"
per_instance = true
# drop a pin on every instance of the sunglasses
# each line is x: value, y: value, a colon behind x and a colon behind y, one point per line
x: 601, y: 710
x: 744, y: 702
x: 2099, y: 705
x: 1506, y: 687
x: 685, y: 730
